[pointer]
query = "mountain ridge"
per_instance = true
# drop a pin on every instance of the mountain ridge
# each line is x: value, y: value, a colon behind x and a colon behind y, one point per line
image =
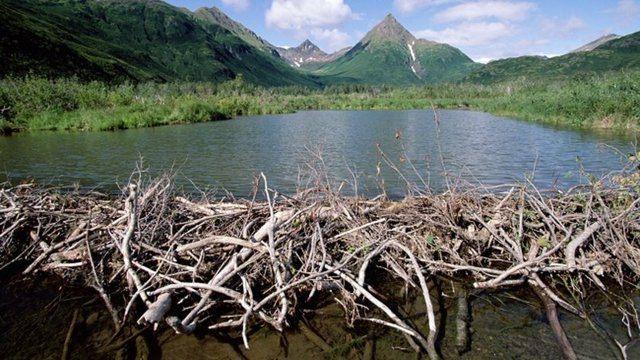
x: 390, y: 54
x: 217, y: 16
x: 303, y: 54
x: 618, y: 54
x: 135, y: 40
x: 151, y: 40
x: 596, y: 43
x: 388, y: 29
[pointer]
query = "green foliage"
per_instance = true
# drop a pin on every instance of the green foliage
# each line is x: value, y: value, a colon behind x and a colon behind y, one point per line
x: 196, y: 111
x: 134, y: 40
x: 615, y: 55
x: 443, y: 63
x: 611, y: 100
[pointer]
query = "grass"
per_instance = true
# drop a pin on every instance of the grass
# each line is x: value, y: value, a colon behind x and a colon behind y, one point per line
x: 34, y: 104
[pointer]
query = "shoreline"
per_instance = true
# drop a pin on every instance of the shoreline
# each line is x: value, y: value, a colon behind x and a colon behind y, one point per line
x: 629, y: 131
x: 37, y: 104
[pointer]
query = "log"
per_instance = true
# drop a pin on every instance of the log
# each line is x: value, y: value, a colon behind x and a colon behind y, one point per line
x: 196, y: 257
x: 225, y: 240
x: 312, y: 336
x: 156, y: 311
x: 572, y: 247
x: 551, y: 310
x: 236, y: 260
x: 463, y: 321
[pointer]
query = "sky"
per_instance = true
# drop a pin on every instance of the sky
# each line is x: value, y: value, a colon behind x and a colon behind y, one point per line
x: 484, y: 29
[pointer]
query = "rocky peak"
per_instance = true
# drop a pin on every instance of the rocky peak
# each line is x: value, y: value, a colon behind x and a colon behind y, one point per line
x: 307, y: 52
x: 308, y: 46
x: 389, y: 30
x: 596, y: 43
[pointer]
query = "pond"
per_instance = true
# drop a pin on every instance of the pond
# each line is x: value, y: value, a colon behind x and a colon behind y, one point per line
x: 479, y: 147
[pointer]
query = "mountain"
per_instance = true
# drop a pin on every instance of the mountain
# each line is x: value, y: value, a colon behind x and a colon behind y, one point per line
x: 305, y: 53
x: 308, y: 56
x: 338, y: 53
x: 596, y: 43
x: 614, y: 55
x: 390, y: 54
x: 136, y: 40
x: 216, y: 16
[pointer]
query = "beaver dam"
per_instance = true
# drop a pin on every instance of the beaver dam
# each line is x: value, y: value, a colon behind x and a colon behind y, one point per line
x: 161, y: 261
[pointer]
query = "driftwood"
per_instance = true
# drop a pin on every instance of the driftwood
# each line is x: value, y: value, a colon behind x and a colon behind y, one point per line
x: 206, y: 263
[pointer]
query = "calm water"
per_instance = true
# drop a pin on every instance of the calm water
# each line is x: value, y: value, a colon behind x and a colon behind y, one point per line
x: 481, y: 147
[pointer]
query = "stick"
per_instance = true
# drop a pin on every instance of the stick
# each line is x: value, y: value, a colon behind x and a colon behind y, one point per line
x: 572, y: 247
x: 67, y: 340
x: 237, y: 259
x: 463, y: 319
x: 552, y: 315
x: 125, y: 247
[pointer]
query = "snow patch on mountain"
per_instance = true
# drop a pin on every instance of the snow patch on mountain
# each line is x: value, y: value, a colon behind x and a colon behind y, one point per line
x: 413, y: 54
x: 414, y: 59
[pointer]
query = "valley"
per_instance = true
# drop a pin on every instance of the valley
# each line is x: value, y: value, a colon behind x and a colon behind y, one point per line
x: 207, y: 46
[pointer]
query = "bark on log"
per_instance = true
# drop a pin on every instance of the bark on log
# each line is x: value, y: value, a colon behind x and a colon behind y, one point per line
x: 237, y: 259
x: 558, y: 331
x: 156, y: 311
x: 572, y: 247
x: 463, y: 321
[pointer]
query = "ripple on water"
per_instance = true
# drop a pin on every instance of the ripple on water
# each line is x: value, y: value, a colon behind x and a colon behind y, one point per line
x: 479, y: 146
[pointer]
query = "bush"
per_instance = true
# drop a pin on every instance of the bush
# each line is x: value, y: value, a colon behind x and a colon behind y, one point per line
x: 43, y: 104
x: 196, y: 111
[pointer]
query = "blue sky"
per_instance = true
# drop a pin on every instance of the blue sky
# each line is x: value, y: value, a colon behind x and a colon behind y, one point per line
x: 484, y: 29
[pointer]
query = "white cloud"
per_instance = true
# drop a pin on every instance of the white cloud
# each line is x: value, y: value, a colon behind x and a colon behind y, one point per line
x: 627, y: 10
x: 301, y: 14
x: 237, y: 4
x: 574, y: 23
x: 484, y: 60
x: 527, y: 43
x: 486, y: 29
x: 333, y: 38
x: 503, y: 10
x: 407, y: 6
x: 469, y: 33
x: 562, y: 27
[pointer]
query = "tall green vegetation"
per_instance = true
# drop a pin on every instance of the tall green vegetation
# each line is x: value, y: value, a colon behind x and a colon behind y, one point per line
x: 33, y: 103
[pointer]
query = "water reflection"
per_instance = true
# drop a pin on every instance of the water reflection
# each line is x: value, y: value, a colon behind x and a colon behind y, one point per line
x: 485, y: 148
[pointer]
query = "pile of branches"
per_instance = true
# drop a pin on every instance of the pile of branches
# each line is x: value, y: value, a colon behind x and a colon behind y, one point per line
x: 156, y: 257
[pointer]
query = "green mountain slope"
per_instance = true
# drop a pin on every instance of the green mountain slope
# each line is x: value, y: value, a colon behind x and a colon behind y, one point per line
x: 136, y: 40
x: 615, y: 55
x: 389, y: 54
x: 216, y: 16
